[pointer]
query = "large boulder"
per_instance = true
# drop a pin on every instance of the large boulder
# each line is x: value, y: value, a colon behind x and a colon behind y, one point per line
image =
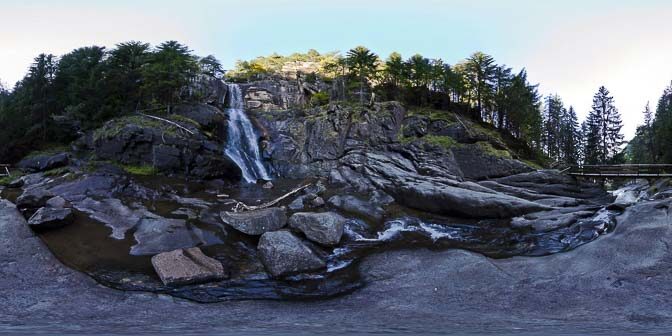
x: 44, y: 162
x: 256, y: 222
x: 282, y: 253
x: 325, y: 228
x: 187, y: 266
x: 51, y: 218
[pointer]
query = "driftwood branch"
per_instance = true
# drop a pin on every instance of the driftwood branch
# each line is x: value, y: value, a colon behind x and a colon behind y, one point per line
x: 167, y: 121
x: 240, y: 206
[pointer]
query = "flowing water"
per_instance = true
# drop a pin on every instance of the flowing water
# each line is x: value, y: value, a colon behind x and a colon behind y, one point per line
x: 242, y: 142
x: 86, y: 245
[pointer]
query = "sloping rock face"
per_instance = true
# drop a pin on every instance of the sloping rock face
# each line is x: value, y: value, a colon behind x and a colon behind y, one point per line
x: 306, y: 145
x: 256, y: 222
x: 479, y: 165
x: 140, y: 140
x: 187, y: 266
x: 398, y: 176
x: 282, y: 253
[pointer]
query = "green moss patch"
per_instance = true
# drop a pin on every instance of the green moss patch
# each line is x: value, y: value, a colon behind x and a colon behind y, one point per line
x: 139, y: 170
x: 487, y: 148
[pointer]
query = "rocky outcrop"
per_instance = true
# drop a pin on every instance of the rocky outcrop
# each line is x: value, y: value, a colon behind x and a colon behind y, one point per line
x: 325, y: 228
x: 282, y: 253
x: 210, y: 118
x: 256, y: 222
x: 51, y: 218
x: 398, y: 177
x: 305, y: 146
x: 143, y: 141
x: 477, y: 164
x: 187, y: 266
x: 43, y: 162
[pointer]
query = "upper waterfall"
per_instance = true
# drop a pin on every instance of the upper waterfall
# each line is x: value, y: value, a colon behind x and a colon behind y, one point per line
x: 242, y: 143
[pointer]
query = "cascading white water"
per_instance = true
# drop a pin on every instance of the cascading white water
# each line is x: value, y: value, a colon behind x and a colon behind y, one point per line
x: 242, y: 144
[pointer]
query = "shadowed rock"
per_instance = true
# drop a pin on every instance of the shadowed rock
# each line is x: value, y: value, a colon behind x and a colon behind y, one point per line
x: 357, y: 206
x: 256, y: 222
x: 187, y: 266
x: 325, y: 228
x: 51, y: 218
x: 33, y: 198
x: 282, y: 253
x: 44, y: 162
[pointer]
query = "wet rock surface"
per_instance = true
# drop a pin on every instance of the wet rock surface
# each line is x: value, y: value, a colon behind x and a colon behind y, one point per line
x: 50, y: 218
x: 283, y: 253
x: 609, y: 277
x: 325, y: 228
x: 256, y: 222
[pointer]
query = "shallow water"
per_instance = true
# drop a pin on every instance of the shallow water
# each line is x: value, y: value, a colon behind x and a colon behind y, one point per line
x: 86, y: 244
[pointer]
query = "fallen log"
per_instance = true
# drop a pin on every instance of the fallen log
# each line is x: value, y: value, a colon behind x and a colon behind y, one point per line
x: 240, y: 206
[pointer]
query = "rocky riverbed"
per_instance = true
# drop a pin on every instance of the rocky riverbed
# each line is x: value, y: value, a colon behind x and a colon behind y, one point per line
x: 620, y: 282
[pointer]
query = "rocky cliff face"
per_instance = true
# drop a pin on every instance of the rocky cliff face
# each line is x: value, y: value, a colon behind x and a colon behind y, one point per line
x: 189, y: 143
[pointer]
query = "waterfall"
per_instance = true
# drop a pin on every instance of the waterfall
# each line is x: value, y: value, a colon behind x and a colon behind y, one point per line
x: 242, y: 144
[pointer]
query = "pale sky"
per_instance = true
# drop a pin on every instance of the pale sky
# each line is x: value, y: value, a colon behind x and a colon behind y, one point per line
x: 570, y: 47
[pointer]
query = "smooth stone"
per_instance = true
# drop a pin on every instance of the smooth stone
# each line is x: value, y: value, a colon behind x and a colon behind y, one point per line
x: 56, y: 202
x: 256, y: 222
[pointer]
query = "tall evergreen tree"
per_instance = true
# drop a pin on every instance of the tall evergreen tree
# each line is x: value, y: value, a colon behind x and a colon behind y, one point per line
x: 169, y: 68
x: 570, y: 134
x: 362, y: 63
x: 480, y: 72
x: 605, y: 125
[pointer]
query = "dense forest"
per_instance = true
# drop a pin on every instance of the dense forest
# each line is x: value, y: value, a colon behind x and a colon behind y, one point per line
x: 91, y: 85
x: 653, y: 140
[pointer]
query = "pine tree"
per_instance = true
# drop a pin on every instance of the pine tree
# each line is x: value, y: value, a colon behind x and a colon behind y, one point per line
x: 480, y: 70
x: 604, y: 136
x: 570, y: 134
x: 362, y: 63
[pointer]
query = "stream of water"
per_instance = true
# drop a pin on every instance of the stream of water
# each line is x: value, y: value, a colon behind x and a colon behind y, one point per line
x: 242, y: 144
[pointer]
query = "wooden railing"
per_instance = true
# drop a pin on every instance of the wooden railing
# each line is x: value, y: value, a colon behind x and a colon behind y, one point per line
x: 623, y: 170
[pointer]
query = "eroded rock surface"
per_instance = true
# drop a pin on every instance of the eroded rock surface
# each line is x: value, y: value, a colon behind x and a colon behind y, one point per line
x: 187, y: 266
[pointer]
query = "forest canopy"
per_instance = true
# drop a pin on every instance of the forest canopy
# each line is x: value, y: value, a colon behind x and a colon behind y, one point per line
x: 93, y: 84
